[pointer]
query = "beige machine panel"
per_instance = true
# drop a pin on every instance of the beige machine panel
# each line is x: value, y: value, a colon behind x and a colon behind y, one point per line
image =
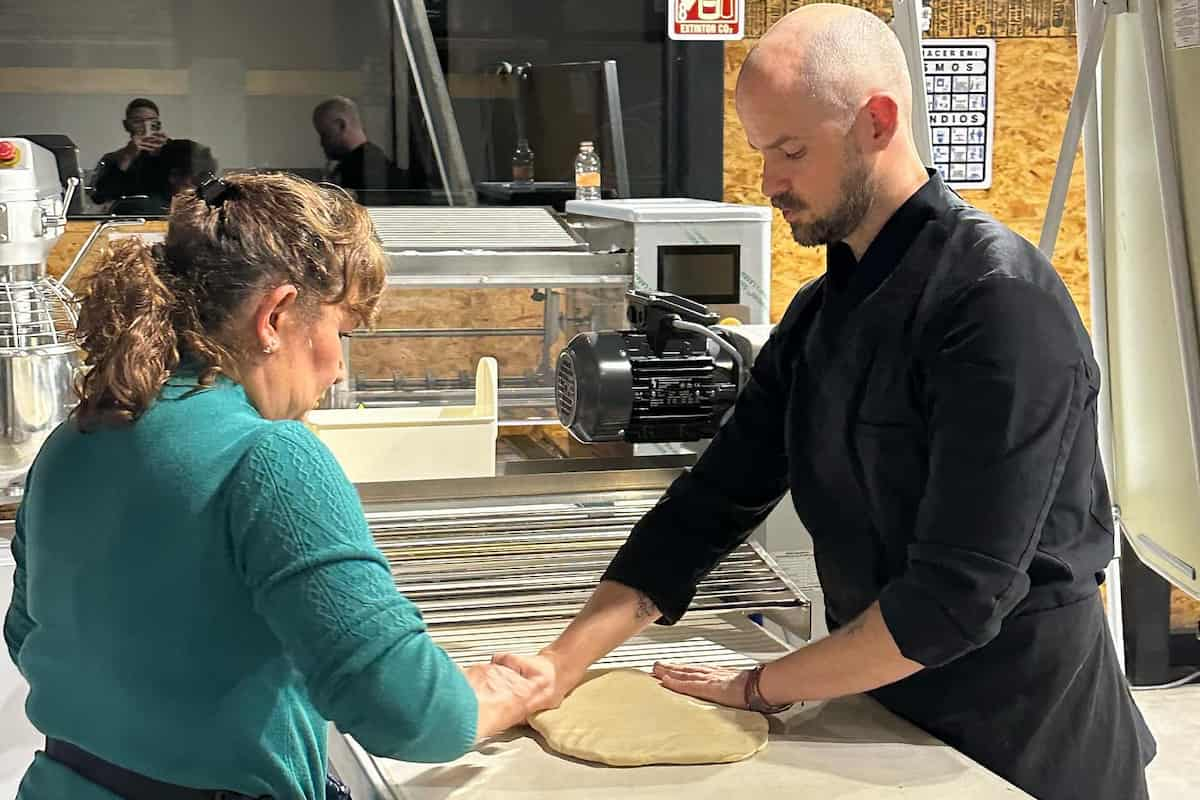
x: 1156, y: 479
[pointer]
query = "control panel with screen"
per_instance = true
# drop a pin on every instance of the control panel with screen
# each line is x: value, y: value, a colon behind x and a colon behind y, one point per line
x: 708, y: 273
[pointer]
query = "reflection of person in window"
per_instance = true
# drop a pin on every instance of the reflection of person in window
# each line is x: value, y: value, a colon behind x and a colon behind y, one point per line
x: 181, y: 164
x: 135, y: 169
x: 361, y: 165
x: 186, y: 162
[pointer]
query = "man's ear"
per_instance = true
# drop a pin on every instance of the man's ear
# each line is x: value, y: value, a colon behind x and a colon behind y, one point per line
x: 883, y: 116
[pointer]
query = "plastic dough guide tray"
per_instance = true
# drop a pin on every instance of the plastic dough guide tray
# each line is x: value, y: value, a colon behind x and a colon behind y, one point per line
x: 415, y: 443
x: 845, y: 749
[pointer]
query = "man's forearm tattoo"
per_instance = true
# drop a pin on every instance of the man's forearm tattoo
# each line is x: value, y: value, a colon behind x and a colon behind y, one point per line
x: 645, y: 607
x: 855, y: 625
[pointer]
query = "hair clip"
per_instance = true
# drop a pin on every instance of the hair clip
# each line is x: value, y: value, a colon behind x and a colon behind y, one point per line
x: 213, y: 190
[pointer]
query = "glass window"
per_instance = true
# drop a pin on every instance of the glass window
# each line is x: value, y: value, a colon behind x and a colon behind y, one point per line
x: 152, y: 94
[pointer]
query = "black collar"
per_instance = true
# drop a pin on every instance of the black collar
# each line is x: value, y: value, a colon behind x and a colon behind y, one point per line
x: 852, y: 281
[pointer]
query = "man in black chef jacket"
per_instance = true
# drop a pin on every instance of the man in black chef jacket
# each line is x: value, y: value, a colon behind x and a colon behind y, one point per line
x: 362, y: 166
x: 931, y: 404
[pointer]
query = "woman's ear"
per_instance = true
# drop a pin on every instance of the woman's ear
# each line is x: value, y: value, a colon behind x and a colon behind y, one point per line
x: 269, y: 314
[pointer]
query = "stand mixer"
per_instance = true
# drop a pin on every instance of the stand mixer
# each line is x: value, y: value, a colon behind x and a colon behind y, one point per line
x: 38, y: 354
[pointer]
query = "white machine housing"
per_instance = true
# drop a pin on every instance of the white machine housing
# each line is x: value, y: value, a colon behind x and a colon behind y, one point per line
x: 30, y: 196
x: 718, y: 254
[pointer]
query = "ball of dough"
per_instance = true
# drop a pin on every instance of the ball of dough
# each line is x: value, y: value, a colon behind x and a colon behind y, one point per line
x: 625, y: 718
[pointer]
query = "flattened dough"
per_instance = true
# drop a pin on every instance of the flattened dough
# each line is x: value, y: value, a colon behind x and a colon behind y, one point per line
x: 625, y: 718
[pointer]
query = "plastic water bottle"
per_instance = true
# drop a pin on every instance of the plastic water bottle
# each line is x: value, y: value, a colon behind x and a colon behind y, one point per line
x: 587, y: 173
x: 522, y: 164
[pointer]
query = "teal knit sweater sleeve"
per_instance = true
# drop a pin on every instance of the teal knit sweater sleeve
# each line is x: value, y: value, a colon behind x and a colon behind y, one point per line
x: 300, y: 539
x: 16, y: 622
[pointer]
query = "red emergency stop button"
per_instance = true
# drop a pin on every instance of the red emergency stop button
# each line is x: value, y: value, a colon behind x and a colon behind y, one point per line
x: 10, y: 154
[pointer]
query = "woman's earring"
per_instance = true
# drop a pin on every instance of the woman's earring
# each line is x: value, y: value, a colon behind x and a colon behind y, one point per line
x: 269, y: 349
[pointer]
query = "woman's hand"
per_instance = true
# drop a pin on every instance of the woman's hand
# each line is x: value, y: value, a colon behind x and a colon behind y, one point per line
x: 613, y: 613
x: 551, y: 677
x: 505, y: 697
x: 715, y: 684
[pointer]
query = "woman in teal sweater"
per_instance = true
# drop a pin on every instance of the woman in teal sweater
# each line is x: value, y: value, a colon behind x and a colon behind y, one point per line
x: 197, y: 593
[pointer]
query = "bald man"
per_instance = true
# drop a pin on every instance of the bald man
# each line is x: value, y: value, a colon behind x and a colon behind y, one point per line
x: 361, y: 165
x: 931, y: 404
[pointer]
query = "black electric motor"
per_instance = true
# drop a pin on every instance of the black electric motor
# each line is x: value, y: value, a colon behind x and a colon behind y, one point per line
x: 672, y: 378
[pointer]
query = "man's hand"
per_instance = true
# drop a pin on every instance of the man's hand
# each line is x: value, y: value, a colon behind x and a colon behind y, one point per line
x: 856, y: 658
x: 149, y: 143
x: 720, y: 685
x: 505, y: 698
x: 551, y: 678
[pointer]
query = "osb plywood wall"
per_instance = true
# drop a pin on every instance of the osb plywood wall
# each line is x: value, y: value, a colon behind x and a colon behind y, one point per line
x: 442, y: 358
x: 432, y: 358
x: 69, y: 244
x: 519, y: 357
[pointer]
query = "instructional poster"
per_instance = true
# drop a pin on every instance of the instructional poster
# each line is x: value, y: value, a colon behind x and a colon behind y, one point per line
x: 960, y: 85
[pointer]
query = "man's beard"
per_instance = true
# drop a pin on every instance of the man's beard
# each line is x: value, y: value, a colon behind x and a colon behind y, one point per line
x: 857, y: 190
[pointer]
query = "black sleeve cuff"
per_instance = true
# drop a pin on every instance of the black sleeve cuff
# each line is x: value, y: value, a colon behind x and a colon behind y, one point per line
x: 934, y: 627
x: 629, y: 568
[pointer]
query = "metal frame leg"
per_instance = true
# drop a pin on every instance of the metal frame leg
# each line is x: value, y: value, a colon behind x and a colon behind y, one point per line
x: 1084, y: 119
x: 1081, y: 102
x: 434, y: 97
x: 1147, y: 617
x: 906, y: 15
x: 1086, y: 12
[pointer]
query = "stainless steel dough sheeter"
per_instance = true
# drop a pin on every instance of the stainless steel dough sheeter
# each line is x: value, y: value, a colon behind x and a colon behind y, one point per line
x: 502, y: 564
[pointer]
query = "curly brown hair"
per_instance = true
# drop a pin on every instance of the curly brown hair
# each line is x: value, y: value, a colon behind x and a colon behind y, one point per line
x: 146, y: 308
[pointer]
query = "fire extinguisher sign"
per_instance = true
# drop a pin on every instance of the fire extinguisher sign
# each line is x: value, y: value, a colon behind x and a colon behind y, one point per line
x: 711, y: 20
